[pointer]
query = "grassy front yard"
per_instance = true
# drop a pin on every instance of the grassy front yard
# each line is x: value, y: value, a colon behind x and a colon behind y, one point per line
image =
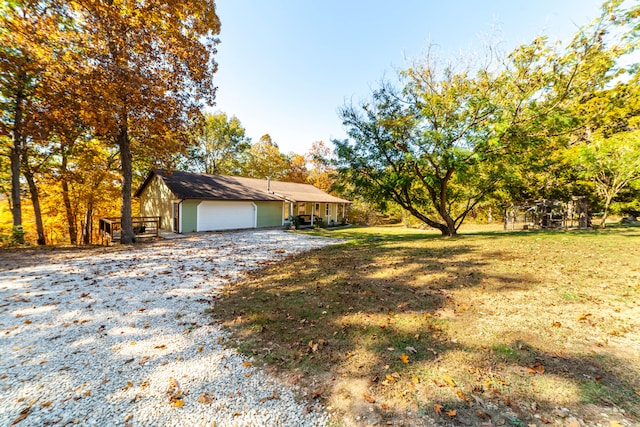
x: 407, y: 327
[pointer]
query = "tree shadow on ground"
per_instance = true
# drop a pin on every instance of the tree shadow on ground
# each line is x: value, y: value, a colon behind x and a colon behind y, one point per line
x: 364, y: 327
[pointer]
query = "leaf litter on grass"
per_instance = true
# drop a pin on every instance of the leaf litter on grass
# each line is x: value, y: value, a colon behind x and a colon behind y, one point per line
x: 487, y: 310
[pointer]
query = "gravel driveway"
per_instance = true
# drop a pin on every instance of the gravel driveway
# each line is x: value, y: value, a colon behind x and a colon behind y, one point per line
x: 120, y: 336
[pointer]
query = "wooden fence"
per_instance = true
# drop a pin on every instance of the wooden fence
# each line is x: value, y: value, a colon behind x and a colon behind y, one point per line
x: 143, y: 226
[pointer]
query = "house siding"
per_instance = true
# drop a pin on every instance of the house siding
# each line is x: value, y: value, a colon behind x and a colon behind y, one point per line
x: 269, y: 214
x: 190, y: 215
x: 155, y: 200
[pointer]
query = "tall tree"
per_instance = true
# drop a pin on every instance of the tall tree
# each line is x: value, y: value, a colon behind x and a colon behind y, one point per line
x: 321, y: 159
x: 220, y: 144
x: 150, y: 67
x: 264, y: 160
x: 612, y: 164
x: 25, y: 25
x: 297, y: 170
x: 442, y: 143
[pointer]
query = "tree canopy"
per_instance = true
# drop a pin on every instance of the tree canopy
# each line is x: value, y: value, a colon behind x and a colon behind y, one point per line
x: 133, y: 74
x: 452, y: 134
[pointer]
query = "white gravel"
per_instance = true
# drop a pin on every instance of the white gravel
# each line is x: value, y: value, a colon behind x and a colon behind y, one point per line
x: 104, y: 337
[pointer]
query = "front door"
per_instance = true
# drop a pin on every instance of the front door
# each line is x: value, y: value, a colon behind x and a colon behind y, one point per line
x: 176, y: 217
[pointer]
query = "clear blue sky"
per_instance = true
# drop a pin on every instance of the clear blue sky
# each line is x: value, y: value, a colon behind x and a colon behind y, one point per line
x: 285, y: 66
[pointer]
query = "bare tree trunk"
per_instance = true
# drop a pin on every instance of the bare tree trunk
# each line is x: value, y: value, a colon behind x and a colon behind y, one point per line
x: 87, y: 230
x: 126, y: 224
x: 71, y: 217
x: 16, y: 205
x: 442, y: 208
x: 607, y: 203
x: 35, y: 200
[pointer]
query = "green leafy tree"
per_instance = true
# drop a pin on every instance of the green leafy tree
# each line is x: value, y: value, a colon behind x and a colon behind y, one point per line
x: 220, y: 143
x: 448, y: 138
x: 612, y: 164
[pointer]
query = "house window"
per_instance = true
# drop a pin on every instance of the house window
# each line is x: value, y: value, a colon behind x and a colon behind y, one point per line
x: 327, y: 210
x: 317, y: 208
x: 301, y: 209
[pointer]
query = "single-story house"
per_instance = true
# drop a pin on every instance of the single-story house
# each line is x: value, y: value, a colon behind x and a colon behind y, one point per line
x: 191, y: 202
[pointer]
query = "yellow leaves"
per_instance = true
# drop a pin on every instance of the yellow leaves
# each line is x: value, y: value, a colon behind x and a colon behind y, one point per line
x: 462, y: 396
x: 452, y: 413
x: 161, y: 346
x: 128, y: 386
x: 200, y: 348
x: 27, y: 322
x: 584, y: 317
x: 246, y: 363
x: 404, y: 358
x: 449, y: 380
x: 174, y: 392
x: 369, y: 398
x: 438, y: 408
x: 556, y: 324
x: 390, y: 379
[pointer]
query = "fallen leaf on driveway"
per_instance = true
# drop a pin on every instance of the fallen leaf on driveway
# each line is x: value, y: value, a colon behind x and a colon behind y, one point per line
x: 23, y: 414
x: 205, y: 398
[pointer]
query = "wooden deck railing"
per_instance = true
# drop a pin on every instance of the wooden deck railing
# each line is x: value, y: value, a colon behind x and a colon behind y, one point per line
x: 143, y: 226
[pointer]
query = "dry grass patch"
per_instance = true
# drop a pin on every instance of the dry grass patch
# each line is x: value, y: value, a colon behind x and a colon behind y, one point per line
x: 406, y: 327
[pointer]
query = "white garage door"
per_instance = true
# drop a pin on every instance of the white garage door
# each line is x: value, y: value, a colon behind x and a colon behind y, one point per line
x: 226, y: 215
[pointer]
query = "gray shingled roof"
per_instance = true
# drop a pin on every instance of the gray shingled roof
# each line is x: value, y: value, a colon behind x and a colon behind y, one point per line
x: 188, y: 185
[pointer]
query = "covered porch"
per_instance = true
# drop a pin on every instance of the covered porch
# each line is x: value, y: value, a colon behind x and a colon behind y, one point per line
x: 311, y: 214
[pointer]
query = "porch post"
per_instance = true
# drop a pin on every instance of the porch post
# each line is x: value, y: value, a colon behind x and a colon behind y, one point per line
x: 313, y: 211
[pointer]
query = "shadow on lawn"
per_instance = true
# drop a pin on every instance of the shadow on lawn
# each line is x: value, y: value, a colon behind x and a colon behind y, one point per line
x: 340, y: 320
